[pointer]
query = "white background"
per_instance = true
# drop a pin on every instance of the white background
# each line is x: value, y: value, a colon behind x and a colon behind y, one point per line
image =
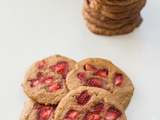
x: 33, y: 29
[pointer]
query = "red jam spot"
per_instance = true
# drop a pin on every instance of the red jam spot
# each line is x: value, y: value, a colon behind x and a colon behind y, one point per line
x: 118, y: 79
x: 44, y: 112
x: 61, y: 68
x: 112, y: 114
x: 83, y: 98
x: 41, y: 65
x: 35, y: 83
x: 94, y: 82
x: 81, y: 76
x: 72, y: 114
x: 102, y: 73
x: 88, y: 2
x: 88, y: 67
x: 98, y: 108
x: 49, y: 80
x: 94, y: 117
x: 54, y: 87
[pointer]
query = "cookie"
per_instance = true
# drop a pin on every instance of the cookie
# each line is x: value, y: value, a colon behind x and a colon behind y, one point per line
x: 88, y: 103
x: 94, y: 4
x: 98, y: 16
x: 123, y: 30
x: 101, y: 24
x: 119, y: 15
x: 36, y: 111
x: 44, y: 81
x: 118, y: 2
x: 101, y: 73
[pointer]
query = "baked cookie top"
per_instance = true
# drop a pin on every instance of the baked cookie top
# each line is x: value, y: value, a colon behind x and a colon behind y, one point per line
x: 101, y: 73
x: 36, y: 111
x: 89, y: 103
x: 45, y: 80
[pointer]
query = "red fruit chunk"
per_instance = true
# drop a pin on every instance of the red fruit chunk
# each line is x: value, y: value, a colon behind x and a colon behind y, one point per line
x: 81, y: 76
x: 46, y: 114
x: 98, y: 108
x: 102, y: 73
x: 35, y: 83
x: 40, y: 75
x: 88, y: 67
x: 54, y: 87
x: 112, y: 115
x: 83, y: 98
x: 41, y: 65
x: 48, y: 80
x: 118, y: 79
x: 72, y: 114
x: 94, y: 82
x: 61, y: 68
x: 94, y: 117
x: 88, y: 2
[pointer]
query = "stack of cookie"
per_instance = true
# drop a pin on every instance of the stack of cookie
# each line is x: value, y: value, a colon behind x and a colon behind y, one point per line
x: 112, y: 17
x: 61, y: 89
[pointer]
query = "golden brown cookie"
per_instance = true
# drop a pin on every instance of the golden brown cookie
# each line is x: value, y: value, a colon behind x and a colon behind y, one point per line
x: 36, y: 111
x: 94, y: 4
x: 118, y: 2
x: 88, y: 103
x: 44, y: 81
x: 102, y: 24
x: 101, y: 73
x: 123, y: 30
x: 118, y: 15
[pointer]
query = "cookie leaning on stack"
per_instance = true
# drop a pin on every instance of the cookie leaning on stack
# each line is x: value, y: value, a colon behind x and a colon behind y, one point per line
x: 60, y: 88
x: 112, y: 17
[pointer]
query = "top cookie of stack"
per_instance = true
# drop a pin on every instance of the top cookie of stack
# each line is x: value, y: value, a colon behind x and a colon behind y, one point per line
x: 112, y: 17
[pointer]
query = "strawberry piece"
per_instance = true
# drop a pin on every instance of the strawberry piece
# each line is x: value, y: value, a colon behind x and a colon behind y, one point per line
x: 102, y: 73
x: 118, y: 79
x: 98, y: 108
x: 35, y: 83
x: 48, y: 80
x: 112, y: 115
x: 46, y: 114
x: 61, y: 68
x: 83, y: 98
x: 88, y: 67
x: 81, y: 76
x: 72, y: 114
x: 94, y: 82
x: 54, y: 87
x: 41, y: 65
x: 88, y: 2
x: 40, y: 75
x: 94, y: 117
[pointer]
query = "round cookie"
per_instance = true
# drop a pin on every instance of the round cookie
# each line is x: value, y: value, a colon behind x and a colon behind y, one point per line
x: 101, y: 24
x: 100, y: 17
x: 101, y: 73
x: 44, y: 81
x: 36, y: 111
x: 112, y: 8
x: 118, y: 2
x: 89, y: 103
x: 119, y: 15
x: 123, y: 30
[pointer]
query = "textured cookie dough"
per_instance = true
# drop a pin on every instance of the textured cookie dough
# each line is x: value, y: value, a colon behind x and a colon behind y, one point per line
x: 101, y: 73
x: 36, y: 111
x: 120, y: 15
x: 44, y: 81
x: 101, y: 24
x: 89, y: 103
x: 94, y: 4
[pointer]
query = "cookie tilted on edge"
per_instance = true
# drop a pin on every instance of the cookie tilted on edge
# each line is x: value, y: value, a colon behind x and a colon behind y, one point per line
x: 45, y: 81
x: 89, y: 103
x: 36, y: 111
x: 97, y: 72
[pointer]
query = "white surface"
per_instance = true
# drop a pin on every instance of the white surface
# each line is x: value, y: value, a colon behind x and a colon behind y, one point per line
x: 33, y: 29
